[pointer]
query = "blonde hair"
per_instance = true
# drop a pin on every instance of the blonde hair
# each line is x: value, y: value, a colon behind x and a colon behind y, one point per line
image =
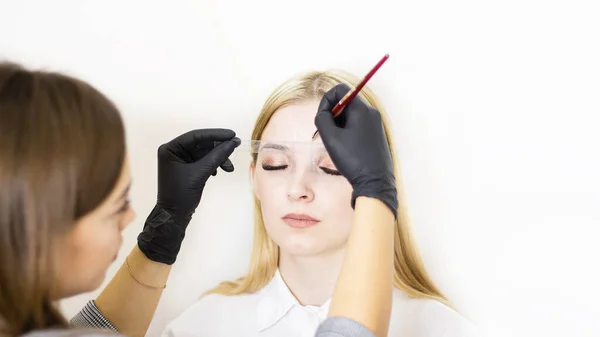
x: 410, y: 275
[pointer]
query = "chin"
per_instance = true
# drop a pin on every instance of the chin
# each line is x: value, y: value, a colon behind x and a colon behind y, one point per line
x: 304, y: 247
x: 92, y: 283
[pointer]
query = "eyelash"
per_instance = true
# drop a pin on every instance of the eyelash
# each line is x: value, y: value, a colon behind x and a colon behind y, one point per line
x: 273, y: 168
x: 282, y: 167
x: 330, y: 171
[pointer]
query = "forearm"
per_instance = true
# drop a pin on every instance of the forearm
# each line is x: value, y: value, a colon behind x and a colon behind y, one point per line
x: 126, y: 303
x: 363, y: 291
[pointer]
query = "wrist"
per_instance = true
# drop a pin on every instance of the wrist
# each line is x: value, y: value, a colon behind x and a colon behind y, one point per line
x: 163, y: 234
x: 175, y: 211
x: 145, y: 270
x: 372, y: 202
x: 381, y: 187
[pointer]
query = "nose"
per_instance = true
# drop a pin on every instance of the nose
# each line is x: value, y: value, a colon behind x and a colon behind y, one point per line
x: 299, y: 188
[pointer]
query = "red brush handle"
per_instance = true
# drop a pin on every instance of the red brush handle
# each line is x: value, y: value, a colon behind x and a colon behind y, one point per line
x: 337, y: 109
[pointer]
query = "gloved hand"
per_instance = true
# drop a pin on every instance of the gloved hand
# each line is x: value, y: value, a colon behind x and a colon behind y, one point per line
x: 356, y: 143
x: 184, y: 166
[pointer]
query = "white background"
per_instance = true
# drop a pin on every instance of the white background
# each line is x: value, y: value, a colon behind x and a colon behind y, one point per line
x: 494, y: 104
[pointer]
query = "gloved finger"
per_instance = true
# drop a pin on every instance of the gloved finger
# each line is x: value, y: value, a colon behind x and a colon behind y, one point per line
x: 333, y: 96
x: 355, y: 112
x: 324, y: 122
x: 352, y: 114
x: 227, y: 166
x: 199, y: 138
x: 324, y: 118
x: 220, y: 154
x: 329, y: 101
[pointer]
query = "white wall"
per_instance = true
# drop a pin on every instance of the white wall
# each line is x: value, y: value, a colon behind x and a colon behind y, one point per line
x: 494, y: 106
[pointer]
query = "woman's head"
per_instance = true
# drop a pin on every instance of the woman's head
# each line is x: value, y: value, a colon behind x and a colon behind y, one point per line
x: 304, y: 201
x: 64, y: 180
x: 310, y: 185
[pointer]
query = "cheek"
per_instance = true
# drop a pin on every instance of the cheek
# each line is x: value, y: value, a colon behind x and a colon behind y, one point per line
x: 334, y: 196
x: 271, y: 190
x: 270, y: 187
x: 96, y: 240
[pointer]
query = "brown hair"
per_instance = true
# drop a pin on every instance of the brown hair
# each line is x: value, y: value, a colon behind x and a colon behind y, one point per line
x: 62, y: 148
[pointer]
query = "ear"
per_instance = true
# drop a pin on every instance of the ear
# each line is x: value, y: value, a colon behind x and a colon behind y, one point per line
x: 252, y: 185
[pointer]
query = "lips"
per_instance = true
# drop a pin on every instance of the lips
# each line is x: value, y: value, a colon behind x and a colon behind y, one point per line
x: 299, y: 220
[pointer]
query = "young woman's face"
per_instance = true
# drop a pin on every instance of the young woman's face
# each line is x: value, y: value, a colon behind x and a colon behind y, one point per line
x: 305, y: 202
x: 92, y: 246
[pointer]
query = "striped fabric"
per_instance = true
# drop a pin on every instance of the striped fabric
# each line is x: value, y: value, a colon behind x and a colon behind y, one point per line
x: 91, y: 317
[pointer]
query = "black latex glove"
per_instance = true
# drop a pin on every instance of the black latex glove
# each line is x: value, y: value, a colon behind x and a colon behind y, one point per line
x: 184, y: 166
x: 356, y: 143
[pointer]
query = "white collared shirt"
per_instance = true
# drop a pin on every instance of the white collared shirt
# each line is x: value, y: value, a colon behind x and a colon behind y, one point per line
x: 274, y: 312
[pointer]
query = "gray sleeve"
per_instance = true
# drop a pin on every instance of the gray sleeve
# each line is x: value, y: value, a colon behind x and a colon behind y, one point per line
x: 342, y: 327
x: 91, y: 317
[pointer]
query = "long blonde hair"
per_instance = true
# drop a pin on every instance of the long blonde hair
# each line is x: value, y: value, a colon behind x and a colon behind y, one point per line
x: 410, y: 275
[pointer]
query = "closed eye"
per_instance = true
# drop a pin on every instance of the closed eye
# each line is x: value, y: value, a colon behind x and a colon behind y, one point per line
x: 273, y: 168
x: 330, y: 171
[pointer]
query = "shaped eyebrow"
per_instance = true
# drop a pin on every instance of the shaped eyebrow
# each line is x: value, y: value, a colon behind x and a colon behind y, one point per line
x: 275, y: 147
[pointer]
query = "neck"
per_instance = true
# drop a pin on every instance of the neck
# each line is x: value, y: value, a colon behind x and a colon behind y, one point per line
x: 311, y: 278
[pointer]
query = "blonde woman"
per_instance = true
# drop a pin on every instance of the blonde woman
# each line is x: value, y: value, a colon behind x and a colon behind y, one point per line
x: 304, y: 214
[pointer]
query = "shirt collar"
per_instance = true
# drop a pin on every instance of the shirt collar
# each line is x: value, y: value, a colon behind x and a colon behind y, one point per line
x: 277, y: 299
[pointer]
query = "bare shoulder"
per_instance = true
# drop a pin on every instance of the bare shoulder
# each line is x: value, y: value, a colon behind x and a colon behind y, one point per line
x: 214, y: 314
x: 427, y: 318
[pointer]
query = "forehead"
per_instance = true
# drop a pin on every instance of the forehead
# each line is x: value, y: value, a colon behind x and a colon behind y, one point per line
x: 294, y: 122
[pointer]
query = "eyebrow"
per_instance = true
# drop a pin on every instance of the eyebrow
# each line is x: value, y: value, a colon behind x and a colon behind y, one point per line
x: 275, y: 146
